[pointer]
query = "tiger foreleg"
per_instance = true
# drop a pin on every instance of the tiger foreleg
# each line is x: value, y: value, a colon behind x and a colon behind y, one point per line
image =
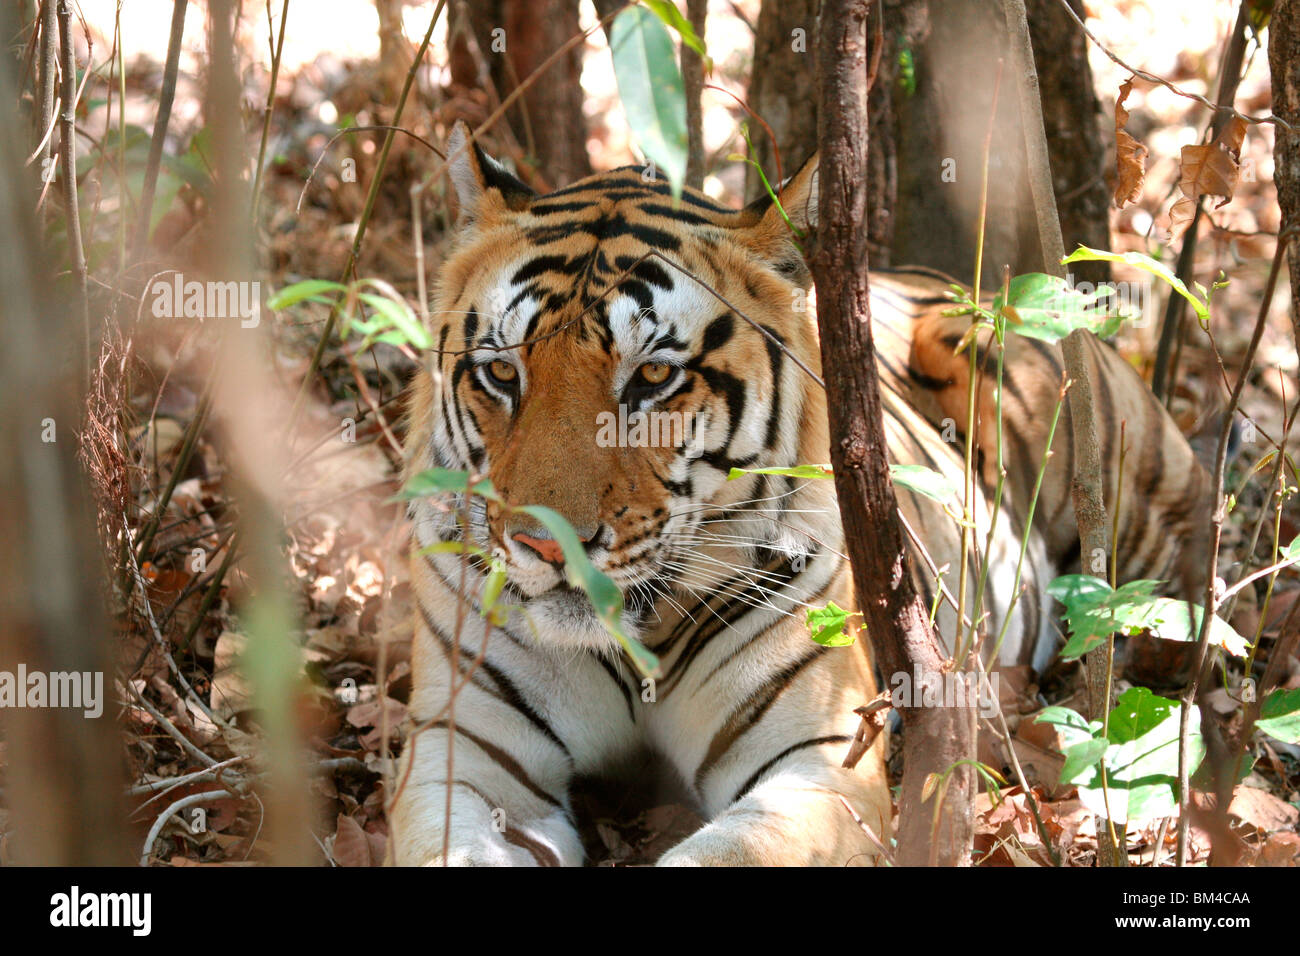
x: 488, y: 822
x: 796, y: 816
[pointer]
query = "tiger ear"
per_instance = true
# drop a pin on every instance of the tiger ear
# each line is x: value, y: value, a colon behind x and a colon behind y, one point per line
x: 479, y: 180
x: 779, y: 242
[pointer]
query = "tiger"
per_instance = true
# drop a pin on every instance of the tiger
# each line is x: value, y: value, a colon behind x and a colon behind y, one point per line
x: 552, y: 311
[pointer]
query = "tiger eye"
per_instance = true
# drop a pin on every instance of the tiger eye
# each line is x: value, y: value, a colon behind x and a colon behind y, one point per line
x: 503, y: 372
x: 656, y: 373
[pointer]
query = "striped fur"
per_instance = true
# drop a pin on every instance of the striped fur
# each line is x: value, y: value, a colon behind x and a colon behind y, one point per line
x: 751, y: 715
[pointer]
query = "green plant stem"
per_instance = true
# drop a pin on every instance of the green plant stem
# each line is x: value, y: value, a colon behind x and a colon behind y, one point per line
x: 968, y: 515
x: 276, y: 54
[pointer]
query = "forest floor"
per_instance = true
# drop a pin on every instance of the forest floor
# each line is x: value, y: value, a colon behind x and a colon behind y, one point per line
x: 345, y: 539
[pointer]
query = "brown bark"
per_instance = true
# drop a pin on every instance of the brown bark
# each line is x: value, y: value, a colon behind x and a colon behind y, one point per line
x: 783, y: 88
x: 516, y: 36
x: 64, y: 778
x: 940, y: 132
x: 936, y: 738
x: 1086, y: 482
x: 1284, y: 63
x: 1072, y: 117
x: 693, y: 81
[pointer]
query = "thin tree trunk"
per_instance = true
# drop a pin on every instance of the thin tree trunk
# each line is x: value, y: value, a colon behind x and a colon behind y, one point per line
x: 249, y: 407
x: 693, y: 80
x: 1284, y: 63
x: 64, y: 779
x: 937, y: 739
x: 1089, y: 507
x: 47, y: 68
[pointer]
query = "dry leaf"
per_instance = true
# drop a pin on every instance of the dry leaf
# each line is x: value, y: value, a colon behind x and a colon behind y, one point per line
x: 353, y: 846
x: 1261, y: 810
x: 1209, y: 169
x: 1130, y: 155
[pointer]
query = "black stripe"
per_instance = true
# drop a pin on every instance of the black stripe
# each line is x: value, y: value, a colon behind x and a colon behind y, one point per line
x: 505, y: 761
x: 509, y: 692
x: 616, y: 676
x: 749, y: 713
x: 815, y: 742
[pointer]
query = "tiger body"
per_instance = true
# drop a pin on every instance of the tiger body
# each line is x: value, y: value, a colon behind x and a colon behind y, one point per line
x: 749, y: 716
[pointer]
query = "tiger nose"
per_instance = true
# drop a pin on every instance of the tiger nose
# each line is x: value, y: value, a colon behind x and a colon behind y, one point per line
x: 548, y: 549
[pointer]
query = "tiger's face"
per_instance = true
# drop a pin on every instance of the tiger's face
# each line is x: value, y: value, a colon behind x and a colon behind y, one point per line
x: 612, y: 357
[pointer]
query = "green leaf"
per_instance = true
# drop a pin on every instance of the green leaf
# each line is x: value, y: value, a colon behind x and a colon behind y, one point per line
x: 1279, y: 717
x: 1140, y: 754
x: 1169, y: 621
x: 1081, y: 758
x: 1292, y: 551
x: 1046, y: 307
x: 667, y: 11
x: 1146, y: 264
x: 1073, y: 727
x: 1094, y: 611
x: 453, y: 547
x: 826, y: 625
x: 924, y: 481
x: 605, y: 597
x: 794, y: 471
x: 1142, y: 759
x: 650, y: 86
x: 492, y: 587
x: 398, y: 316
x: 307, y: 289
x: 440, y: 481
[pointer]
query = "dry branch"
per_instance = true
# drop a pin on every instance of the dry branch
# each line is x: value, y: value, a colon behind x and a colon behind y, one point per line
x: 937, y: 739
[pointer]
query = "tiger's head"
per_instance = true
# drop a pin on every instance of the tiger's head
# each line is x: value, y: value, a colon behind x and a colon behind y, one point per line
x: 610, y: 355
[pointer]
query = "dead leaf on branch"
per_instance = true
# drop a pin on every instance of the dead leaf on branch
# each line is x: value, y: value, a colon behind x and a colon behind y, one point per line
x: 1130, y: 155
x: 1210, y: 169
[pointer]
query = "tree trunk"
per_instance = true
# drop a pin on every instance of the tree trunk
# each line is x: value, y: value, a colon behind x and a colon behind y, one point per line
x: 783, y: 89
x: 516, y: 36
x: 940, y: 131
x: 693, y: 81
x: 1071, y: 116
x: 64, y: 776
x: 1284, y: 63
x: 936, y: 738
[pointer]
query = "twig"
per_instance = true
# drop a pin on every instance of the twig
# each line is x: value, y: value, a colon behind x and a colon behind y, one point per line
x: 160, y: 788
x: 165, y: 97
x: 210, y: 595
x: 1165, y: 372
x: 158, y: 636
x: 188, y: 443
x: 386, y: 127
x: 1152, y: 78
x: 172, y: 732
x: 276, y: 52
x: 692, y: 65
x: 181, y: 804
x: 68, y: 157
x: 48, y: 66
x: 1216, y: 530
x: 871, y: 834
